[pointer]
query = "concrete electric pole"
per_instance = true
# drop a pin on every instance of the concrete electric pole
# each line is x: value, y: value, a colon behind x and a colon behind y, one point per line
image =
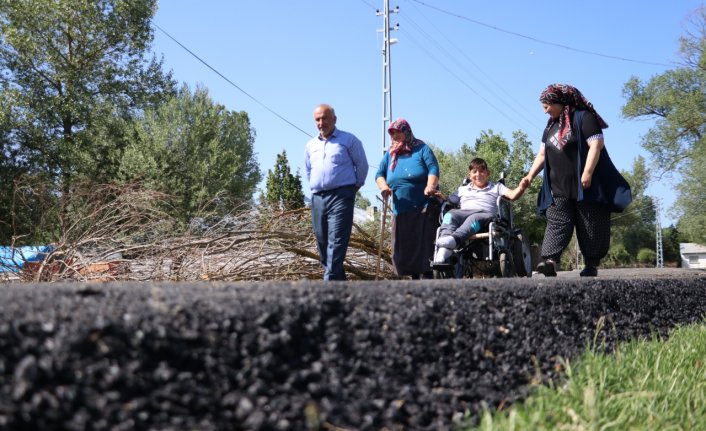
x: 386, y: 73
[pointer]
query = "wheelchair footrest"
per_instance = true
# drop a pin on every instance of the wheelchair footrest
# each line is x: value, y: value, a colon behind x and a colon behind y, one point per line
x: 480, y: 235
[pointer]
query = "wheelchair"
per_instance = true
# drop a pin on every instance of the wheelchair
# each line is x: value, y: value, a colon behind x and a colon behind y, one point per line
x: 501, y: 249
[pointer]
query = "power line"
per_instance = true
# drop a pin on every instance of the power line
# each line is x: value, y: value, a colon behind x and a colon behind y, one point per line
x: 441, y: 48
x: 470, y: 60
x: 369, y: 4
x: 229, y: 81
x: 235, y: 85
x: 461, y: 80
x: 513, y: 33
x: 634, y: 209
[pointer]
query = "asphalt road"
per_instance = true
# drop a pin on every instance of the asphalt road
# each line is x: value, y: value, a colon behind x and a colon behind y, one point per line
x: 636, y: 273
x: 309, y: 355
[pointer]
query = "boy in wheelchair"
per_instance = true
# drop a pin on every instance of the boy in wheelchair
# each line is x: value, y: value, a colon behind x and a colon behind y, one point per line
x: 478, y: 205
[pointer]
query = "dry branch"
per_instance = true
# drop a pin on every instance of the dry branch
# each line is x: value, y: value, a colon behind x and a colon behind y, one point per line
x: 121, y: 233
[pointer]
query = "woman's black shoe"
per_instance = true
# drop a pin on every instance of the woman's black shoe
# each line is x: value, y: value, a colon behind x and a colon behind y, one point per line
x: 589, y: 271
x: 548, y: 268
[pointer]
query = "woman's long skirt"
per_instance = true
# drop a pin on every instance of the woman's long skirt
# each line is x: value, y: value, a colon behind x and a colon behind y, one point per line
x: 413, y: 238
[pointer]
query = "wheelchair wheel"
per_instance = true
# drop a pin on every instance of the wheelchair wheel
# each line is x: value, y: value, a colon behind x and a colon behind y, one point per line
x: 507, y: 268
x: 522, y: 255
x: 440, y: 274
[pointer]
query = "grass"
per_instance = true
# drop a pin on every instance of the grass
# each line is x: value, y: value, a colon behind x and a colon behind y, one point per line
x: 644, y: 385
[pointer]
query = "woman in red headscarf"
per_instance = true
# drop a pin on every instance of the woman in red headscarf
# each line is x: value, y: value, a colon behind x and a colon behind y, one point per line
x: 581, y: 185
x: 410, y: 173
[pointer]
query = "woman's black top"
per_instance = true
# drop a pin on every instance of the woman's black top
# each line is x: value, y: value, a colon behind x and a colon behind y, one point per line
x: 562, y: 174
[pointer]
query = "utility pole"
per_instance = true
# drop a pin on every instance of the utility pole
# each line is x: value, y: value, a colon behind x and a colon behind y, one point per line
x: 386, y: 97
x: 658, y: 235
x: 386, y: 74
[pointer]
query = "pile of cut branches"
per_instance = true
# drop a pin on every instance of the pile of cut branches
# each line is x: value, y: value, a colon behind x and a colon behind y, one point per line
x: 112, y: 232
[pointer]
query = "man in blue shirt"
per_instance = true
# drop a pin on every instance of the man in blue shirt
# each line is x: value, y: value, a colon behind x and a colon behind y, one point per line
x: 336, y: 168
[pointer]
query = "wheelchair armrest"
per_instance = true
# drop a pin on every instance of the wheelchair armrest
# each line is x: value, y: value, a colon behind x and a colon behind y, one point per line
x: 504, y: 210
x: 446, y: 206
x: 454, y: 200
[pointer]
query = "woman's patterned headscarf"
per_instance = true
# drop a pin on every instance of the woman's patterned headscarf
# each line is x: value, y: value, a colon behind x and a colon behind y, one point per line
x: 571, y: 98
x: 404, y: 147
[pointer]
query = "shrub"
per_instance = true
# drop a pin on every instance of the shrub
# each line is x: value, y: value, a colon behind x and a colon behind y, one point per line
x: 617, y: 256
x: 646, y: 255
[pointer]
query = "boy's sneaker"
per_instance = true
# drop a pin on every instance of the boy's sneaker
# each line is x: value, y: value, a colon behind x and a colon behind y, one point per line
x: 442, y: 254
x: 548, y: 268
x: 589, y: 271
x: 446, y: 241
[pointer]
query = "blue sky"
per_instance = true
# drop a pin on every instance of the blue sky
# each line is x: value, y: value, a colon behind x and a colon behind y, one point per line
x: 459, y: 68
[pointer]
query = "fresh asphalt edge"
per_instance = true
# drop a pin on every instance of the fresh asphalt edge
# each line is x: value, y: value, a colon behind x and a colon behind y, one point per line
x: 307, y: 355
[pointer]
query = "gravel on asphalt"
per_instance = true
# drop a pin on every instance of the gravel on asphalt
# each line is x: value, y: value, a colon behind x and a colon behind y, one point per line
x: 307, y: 355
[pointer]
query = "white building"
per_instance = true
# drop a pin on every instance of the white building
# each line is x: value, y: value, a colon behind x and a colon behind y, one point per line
x: 692, y: 255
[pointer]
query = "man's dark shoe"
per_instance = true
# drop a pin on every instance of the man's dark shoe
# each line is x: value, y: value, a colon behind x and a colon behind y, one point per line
x: 589, y: 271
x: 548, y: 268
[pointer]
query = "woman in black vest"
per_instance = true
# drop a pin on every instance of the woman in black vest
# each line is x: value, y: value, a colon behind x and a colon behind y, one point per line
x: 581, y: 185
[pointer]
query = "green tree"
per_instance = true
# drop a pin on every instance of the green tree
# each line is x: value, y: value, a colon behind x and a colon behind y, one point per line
x: 691, y: 200
x: 197, y: 151
x: 71, y: 67
x: 638, y: 237
x: 642, y: 209
x: 521, y: 156
x: 284, y: 190
x: 73, y: 74
x: 495, y: 150
x: 670, y: 244
x: 636, y: 225
x: 617, y: 256
x: 676, y: 100
x: 647, y: 256
x: 361, y: 201
x: 525, y: 209
x: 453, y: 167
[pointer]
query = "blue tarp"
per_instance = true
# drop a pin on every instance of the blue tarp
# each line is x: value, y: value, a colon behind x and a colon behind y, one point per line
x: 12, y: 259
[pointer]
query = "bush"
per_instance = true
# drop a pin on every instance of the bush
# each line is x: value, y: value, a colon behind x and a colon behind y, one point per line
x: 646, y: 255
x: 618, y: 256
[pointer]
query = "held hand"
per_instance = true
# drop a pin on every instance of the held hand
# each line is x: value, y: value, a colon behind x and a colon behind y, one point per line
x: 586, y: 180
x: 429, y: 191
x: 524, y: 183
x: 385, y: 193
